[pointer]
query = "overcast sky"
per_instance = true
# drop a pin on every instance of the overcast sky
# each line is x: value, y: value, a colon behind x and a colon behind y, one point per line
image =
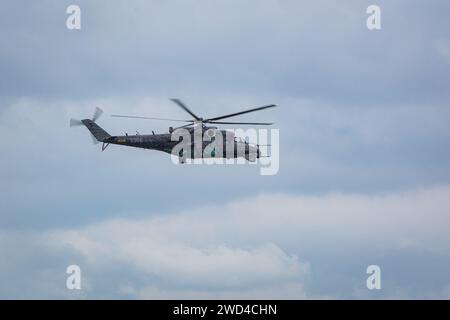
x: 364, y: 150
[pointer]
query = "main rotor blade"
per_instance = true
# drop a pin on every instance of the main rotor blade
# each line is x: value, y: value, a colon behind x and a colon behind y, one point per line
x: 242, y: 112
x: 182, y: 106
x: 149, y: 118
x: 251, y: 123
x: 97, y: 113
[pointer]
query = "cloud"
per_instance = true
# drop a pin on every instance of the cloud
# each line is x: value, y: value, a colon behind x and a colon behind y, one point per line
x: 363, y: 116
x: 51, y: 173
x: 312, y: 49
x: 269, y: 244
x: 178, y: 264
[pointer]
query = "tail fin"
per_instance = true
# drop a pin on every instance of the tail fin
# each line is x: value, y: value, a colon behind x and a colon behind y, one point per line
x: 96, y: 131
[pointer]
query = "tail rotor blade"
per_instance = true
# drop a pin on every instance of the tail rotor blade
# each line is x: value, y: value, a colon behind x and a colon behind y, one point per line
x: 75, y: 123
x: 98, y: 112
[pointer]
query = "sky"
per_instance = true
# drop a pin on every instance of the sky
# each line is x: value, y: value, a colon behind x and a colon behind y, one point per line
x: 364, y: 175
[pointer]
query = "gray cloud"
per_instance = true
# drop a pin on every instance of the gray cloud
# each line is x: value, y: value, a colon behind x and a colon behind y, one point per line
x: 51, y: 173
x: 315, y: 50
x: 272, y: 246
x: 362, y: 114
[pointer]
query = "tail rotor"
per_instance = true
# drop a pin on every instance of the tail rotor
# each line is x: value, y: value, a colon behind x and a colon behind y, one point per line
x: 76, y: 123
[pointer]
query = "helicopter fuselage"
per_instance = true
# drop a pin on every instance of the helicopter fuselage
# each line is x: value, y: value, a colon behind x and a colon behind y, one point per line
x: 232, y: 148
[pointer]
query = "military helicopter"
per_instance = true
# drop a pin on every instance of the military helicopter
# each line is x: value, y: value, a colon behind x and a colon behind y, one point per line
x: 164, y: 142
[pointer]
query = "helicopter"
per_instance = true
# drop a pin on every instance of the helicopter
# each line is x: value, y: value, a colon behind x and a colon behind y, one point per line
x: 165, y: 142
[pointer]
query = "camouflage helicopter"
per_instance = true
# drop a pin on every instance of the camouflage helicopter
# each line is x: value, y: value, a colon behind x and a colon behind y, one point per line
x: 165, y: 142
